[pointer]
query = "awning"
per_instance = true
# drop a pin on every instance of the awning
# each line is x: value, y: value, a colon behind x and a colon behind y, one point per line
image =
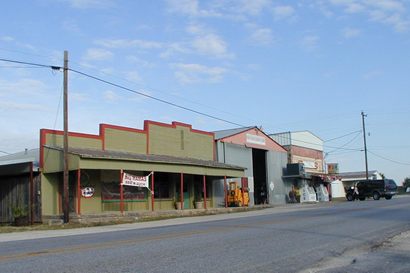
x: 116, y: 160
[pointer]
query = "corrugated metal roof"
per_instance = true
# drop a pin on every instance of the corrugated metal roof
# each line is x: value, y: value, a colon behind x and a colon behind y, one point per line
x: 355, y: 174
x: 117, y: 155
x: 32, y: 155
x: 231, y: 132
x: 20, y: 163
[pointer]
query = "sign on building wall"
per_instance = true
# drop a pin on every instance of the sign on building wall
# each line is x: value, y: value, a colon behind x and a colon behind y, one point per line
x: 253, y: 139
x: 135, y: 181
x: 332, y: 168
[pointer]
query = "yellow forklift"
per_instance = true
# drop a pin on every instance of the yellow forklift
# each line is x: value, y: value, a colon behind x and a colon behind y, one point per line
x: 237, y: 196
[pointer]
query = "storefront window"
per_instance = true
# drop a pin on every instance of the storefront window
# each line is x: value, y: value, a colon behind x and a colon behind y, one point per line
x: 161, y: 186
x: 111, y: 191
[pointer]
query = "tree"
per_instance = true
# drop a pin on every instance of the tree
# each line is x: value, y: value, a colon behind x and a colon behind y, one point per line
x: 406, y: 182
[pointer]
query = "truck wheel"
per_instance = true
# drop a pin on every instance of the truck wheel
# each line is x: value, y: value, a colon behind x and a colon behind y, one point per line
x: 376, y: 195
x: 388, y: 197
x: 349, y: 197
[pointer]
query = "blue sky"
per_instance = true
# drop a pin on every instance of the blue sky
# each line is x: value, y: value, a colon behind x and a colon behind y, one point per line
x: 283, y: 65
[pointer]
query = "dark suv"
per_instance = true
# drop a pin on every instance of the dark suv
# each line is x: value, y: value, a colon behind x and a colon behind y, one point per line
x: 372, y: 188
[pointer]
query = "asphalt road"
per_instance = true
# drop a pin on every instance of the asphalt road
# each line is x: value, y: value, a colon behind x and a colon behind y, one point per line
x: 339, y: 237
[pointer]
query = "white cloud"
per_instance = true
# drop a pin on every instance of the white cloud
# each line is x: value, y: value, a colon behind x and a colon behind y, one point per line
x: 190, y: 8
x: 211, y: 45
x: 76, y: 96
x: 281, y: 12
x: 262, y: 36
x: 194, y: 73
x: 133, y: 76
x: 254, y: 7
x: 7, y: 39
x: 97, y: 54
x: 13, y: 106
x: 174, y: 48
x: 387, y: 5
x: 140, y: 62
x: 388, y: 12
x: 309, y: 42
x: 350, y: 33
x: 110, y: 96
x: 25, y: 86
x: 91, y: 4
x: 124, y: 43
x: 370, y: 75
x: 71, y: 26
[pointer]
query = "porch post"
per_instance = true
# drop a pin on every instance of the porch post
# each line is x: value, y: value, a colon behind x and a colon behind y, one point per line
x: 78, y: 191
x: 31, y: 194
x: 181, y: 195
x: 242, y: 192
x: 226, y: 194
x: 204, y: 185
x: 152, y: 191
x: 121, y: 194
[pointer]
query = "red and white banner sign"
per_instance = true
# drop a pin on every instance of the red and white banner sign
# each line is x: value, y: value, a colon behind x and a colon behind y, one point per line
x: 135, y: 181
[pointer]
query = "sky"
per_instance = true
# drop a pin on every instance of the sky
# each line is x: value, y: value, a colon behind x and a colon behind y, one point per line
x: 280, y: 65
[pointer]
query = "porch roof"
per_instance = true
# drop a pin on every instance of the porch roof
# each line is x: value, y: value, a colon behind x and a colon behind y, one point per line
x: 81, y: 158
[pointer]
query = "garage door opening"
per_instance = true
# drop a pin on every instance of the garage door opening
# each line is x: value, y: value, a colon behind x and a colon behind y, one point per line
x: 259, y: 176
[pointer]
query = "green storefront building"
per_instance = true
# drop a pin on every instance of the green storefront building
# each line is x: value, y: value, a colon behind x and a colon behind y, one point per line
x: 172, y: 158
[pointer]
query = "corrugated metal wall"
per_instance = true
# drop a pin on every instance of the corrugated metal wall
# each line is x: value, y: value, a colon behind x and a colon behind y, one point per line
x: 236, y: 155
x: 275, y: 162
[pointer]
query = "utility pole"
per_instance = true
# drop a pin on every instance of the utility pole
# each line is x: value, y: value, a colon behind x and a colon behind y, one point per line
x: 65, y: 149
x: 365, y: 146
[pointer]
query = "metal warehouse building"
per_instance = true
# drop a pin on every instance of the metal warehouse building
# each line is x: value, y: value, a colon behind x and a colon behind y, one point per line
x: 263, y: 159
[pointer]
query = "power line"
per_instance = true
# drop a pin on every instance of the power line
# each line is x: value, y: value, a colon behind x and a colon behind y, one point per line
x: 388, y: 159
x: 347, y: 143
x: 343, y: 136
x: 54, y: 67
x: 124, y: 88
x: 154, y: 98
x: 324, y: 146
x: 167, y: 93
x: 169, y: 102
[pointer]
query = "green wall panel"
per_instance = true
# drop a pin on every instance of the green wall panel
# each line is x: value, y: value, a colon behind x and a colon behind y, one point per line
x: 119, y: 140
x: 180, y: 142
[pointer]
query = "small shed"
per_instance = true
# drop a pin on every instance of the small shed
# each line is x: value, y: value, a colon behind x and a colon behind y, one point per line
x: 20, y: 186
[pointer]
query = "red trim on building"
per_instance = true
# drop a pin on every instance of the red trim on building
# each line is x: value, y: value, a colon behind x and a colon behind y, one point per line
x: 152, y: 191
x: 78, y: 191
x: 175, y: 124
x: 146, y: 129
x: 121, y: 194
x: 103, y: 127
x: 204, y: 189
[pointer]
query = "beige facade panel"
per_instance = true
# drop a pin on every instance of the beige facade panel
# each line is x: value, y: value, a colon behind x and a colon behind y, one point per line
x: 180, y: 141
x: 73, y: 141
x: 126, y: 141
